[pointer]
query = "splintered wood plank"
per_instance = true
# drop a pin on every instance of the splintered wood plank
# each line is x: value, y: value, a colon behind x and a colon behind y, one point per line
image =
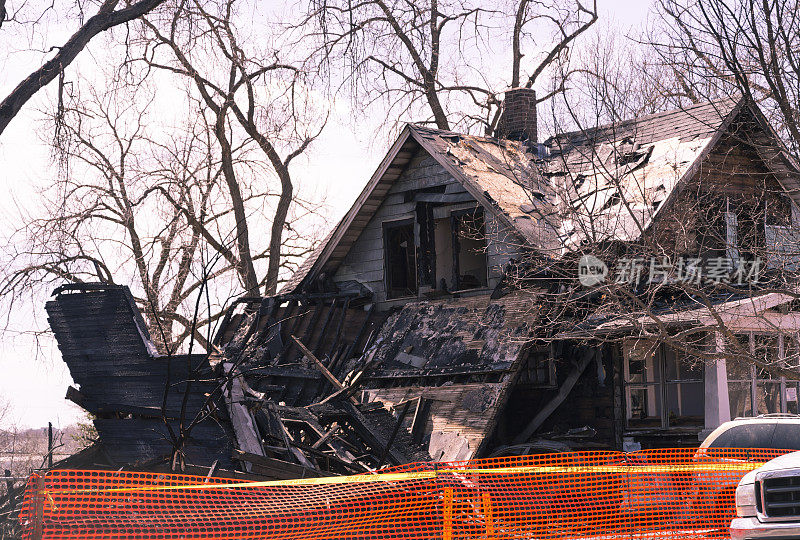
x: 321, y: 367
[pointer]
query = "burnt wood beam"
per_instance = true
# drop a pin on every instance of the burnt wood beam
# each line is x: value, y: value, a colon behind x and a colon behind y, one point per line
x: 327, y: 438
x: 278, y: 430
x: 335, y: 351
x: 421, y: 414
x: 456, y: 248
x: 443, y: 198
x: 276, y: 468
x: 393, y: 436
x: 366, y: 431
x: 354, y: 345
x: 339, y: 327
x: 426, y: 246
x: 244, y: 425
x: 223, y: 327
x: 266, y: 311
x: 367, y: 363
x: 288, y: 313
x: 312, y: 325
x: 328, y: 317
x: 337, y: 361
x: 283, y: 371
x: 346, y: 391
x: 481, y: 369
x: 321, y: 367
x: 327, y: 435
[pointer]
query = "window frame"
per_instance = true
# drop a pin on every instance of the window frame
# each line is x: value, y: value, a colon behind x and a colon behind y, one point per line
x: 455, y: 217
x: 754, y: 380
x: 387, y: 226
x: 660, y: 383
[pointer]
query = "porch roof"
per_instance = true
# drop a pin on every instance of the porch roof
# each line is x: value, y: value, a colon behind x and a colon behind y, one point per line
x: 743, y: 314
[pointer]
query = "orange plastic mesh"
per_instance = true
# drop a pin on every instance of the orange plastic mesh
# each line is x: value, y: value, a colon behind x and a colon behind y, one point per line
x: 682, y: 493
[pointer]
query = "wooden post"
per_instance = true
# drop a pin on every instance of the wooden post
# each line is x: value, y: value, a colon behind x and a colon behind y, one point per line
x: 456, y: 247
x: 447, y: 514
x: 49, y: 445
x: 426, y: 246
x: 486, y: 506
x: 715, y: 381
x: 38, y: 511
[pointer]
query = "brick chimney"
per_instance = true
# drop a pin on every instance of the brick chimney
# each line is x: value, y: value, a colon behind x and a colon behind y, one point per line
x: 518, y: 120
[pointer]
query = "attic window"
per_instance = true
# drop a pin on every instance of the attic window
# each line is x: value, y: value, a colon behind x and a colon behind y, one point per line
x: 401, y: 259
x: 461, y: 261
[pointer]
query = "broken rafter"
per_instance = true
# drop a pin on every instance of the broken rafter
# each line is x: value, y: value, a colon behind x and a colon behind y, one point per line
x: 327, y: 435
x: 375, y: 440
x: 367, y: 361
x: 321, y: 367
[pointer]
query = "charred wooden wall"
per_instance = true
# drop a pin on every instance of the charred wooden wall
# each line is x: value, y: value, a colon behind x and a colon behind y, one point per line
x: 131, y: 393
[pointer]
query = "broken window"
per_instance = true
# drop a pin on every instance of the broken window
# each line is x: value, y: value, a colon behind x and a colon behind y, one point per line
x: 461, y: 251
x: 539, y: 369
x: 401, y: 261
x: 662, y: 387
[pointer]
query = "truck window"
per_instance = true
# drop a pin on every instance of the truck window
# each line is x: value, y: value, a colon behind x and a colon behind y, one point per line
x: 746, y: 436
x: 786, y: 436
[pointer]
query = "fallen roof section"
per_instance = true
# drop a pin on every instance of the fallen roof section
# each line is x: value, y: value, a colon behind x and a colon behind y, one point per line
x: 457, y: 361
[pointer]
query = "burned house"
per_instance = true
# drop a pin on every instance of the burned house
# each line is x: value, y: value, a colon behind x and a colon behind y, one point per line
x: 422, y: 328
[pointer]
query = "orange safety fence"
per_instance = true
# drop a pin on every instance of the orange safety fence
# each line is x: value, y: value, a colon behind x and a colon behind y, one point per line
x: 680, y: 493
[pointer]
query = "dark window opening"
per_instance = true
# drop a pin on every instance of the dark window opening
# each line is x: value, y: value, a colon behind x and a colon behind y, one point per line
x: 539, y: 369
x: 401, y: 261
x: 461, y: 251
x: 470, y: 246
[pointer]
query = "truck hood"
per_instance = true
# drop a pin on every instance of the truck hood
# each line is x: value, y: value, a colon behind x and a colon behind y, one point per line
x: 786, y: 461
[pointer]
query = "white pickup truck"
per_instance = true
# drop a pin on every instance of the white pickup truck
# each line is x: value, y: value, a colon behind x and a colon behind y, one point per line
x: 768, y: 501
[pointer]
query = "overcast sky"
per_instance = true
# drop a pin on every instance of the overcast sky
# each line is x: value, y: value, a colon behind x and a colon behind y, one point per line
x: 33, y: 378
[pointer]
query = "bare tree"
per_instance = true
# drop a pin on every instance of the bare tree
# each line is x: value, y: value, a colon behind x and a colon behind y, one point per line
x: 743, y: 46
x: 139, y: 207
x: 433, y: 56
x: 230, y: 86
x: 168, y: 205
x: 109, y: 15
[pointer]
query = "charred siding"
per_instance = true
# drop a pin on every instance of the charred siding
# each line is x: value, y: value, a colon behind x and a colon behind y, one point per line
x: 104, y: 343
